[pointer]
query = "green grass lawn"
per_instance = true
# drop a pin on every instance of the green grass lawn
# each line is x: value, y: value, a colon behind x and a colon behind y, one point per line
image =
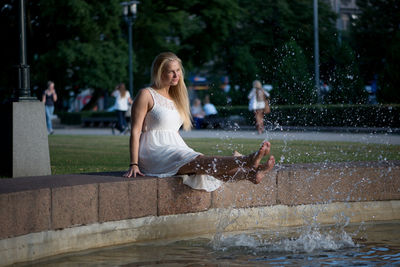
x: 79, y: 154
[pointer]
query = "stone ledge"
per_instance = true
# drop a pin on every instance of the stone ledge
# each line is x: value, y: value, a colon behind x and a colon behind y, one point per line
x: 36, y: 204
x: 338, y: 182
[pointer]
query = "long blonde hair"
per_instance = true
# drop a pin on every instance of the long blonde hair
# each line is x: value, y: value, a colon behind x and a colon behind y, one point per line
x: 259, y: 90
x: 122, y: 89
x: 178, y: 92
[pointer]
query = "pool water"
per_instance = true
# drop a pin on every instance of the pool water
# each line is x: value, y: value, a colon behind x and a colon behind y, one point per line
x: 368, y: 244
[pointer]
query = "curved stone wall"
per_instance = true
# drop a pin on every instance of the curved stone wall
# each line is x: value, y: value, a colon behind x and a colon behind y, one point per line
x: 48, y: 215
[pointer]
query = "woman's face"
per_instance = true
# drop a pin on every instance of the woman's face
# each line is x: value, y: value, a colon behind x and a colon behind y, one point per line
x: 172, y: 73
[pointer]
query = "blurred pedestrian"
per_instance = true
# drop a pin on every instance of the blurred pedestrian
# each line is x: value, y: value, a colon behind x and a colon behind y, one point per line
x: 49, y: 97
x: 123, y: 99
x: 209, y: 108
x: 198, y: 113
x: 259, y: 104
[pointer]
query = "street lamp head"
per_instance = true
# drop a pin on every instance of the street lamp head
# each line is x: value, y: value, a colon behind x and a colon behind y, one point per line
x: 134, y: 8
x: 130, y: 8
x: 125, y: 10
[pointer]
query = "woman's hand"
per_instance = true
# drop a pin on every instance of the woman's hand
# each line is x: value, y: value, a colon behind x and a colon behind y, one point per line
x: 133, y: 172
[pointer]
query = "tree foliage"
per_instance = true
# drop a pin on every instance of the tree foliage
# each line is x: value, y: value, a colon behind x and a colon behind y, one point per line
x: 376, y: 40
x: 83, y: 44
x: 344, y: 79
x: 78, y: 44
x: 192, y: 29
x: 292, y: 82
x: 263, y: 27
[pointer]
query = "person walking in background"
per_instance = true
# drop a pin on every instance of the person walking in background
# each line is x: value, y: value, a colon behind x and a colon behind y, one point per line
x: 49, y: 97
x: 259, y: 104
x: 198, y: 113
x: 123, y: 99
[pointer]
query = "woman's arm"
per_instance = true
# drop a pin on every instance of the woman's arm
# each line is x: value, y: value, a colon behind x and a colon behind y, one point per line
x: 113, y: 93
x: 130, y: 101
x: 141, y: 105
x: 252, y: 93
x: 267, y: 95
x: 44, y: 97
x: 54, y: 96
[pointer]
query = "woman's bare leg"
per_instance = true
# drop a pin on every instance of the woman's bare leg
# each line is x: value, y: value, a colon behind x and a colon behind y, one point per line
x: 224, y: 168
x: 259, y: 116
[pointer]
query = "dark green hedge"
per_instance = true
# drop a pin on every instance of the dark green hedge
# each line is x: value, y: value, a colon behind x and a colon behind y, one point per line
x: 75, y: 118
x: 325, y: 115
x: 314, y: 115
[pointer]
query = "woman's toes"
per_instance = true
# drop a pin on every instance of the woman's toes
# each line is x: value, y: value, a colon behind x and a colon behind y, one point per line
x: 271, y: 162
x: 237, y: 154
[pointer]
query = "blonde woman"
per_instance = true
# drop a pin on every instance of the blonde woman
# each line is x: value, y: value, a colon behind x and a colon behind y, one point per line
x: 258, y: 97
x: 157, y: 149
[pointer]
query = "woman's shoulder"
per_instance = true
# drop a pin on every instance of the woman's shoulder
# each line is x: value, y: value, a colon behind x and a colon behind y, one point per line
x: 145, y: 90
x: 144, y: 93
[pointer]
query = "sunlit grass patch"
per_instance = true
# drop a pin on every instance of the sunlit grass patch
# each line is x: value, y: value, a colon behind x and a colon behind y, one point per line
x: 301, y: 151
x: 79, y: 154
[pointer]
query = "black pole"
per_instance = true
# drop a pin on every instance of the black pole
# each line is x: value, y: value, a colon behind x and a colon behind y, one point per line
x: 316, y: 51
x: 24, y: 91
x: 130, y: 22
x: 129, y: 9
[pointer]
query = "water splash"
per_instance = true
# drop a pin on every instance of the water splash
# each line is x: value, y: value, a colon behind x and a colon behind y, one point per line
x: 300, y: 241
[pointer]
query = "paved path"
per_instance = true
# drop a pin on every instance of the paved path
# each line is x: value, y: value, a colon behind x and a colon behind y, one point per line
x: 368, y: 138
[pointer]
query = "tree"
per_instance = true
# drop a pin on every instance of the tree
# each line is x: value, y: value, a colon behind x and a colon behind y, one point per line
x: 85, y: 48
x: 390, y: 81
x: 262, y: 27
x: 77, y: 44
x: 10, y: 48
x: 375, y: 37
x: 82, y: 43
x: 192, y: 29
x: 345, y: 82
x: 292, y: 82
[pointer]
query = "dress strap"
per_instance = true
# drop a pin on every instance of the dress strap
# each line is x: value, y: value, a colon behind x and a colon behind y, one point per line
x: 153, y: 95
x: 161, y: 100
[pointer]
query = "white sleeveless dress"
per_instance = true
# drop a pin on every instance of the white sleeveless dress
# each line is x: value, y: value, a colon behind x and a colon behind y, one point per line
x: 162, y: 151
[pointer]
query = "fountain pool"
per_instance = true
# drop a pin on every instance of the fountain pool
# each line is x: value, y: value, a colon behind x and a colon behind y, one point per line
x: 365, y: 244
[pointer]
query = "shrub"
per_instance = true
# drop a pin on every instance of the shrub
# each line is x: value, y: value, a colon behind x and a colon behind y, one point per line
x: 325, y: 115
x: 291, y: 115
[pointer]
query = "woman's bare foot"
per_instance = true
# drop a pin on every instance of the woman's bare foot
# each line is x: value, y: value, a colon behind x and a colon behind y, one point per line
x: 262, y: 170
x: 254, y: 175
x: 256, y: 172
x: 260, y: 154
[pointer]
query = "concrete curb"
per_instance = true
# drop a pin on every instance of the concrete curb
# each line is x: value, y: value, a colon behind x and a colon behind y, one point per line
x: 35, y: 246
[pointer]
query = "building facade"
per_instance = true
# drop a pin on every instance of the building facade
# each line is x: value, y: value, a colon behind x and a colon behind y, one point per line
x: 347, y: 10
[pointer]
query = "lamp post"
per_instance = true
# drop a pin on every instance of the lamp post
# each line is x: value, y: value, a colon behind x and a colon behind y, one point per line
x: 24, y: 143
x: 129, y: 11
x: 316, y: 51
x: 24, y: 92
